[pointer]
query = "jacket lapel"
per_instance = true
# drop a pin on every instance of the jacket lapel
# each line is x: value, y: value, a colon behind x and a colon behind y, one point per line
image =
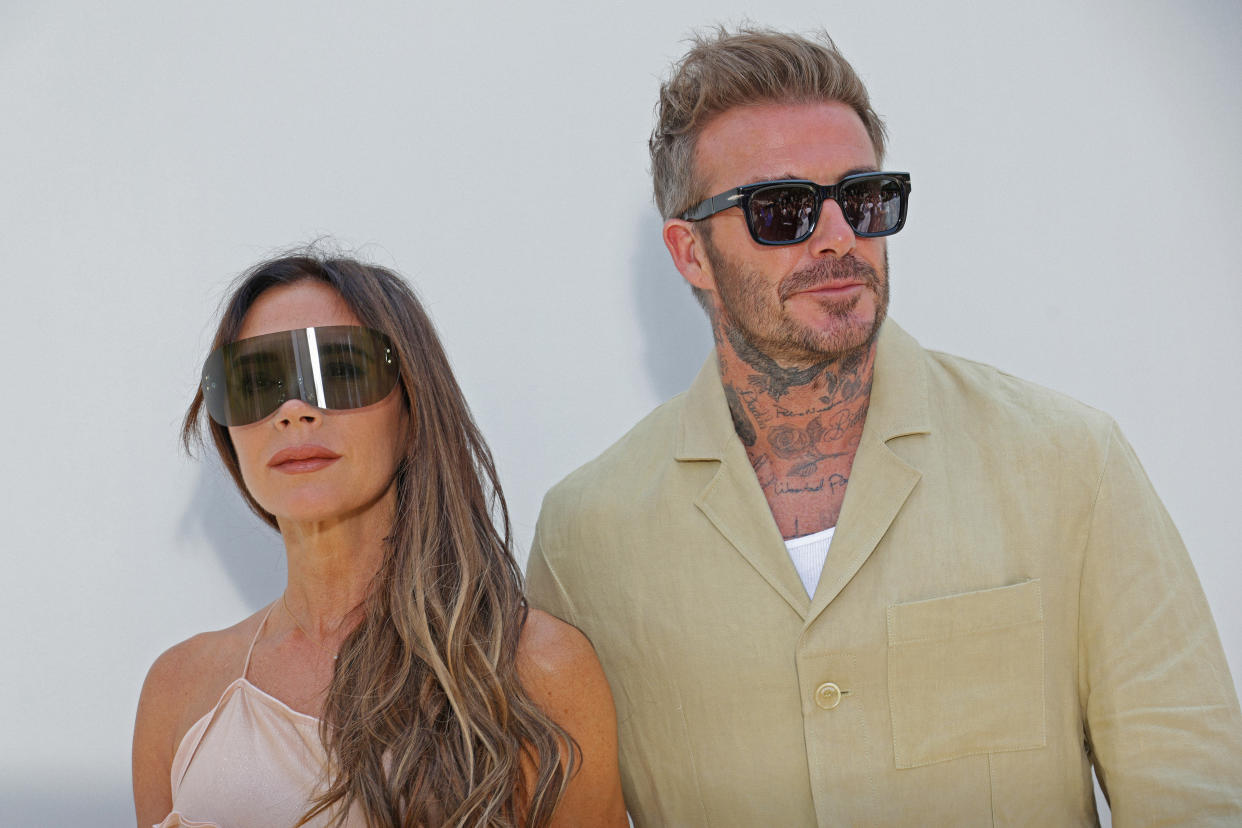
x: 732, y: 499
x: 880, y: 480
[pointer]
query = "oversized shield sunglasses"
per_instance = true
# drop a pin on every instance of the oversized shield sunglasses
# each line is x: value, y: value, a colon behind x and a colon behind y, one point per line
x: 334, y: 367
x: 786, y: 211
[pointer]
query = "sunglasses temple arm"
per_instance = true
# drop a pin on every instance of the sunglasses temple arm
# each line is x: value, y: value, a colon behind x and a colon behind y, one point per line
x: 712, y: 206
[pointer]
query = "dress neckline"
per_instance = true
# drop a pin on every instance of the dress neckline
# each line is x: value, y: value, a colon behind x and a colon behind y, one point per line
x: 245, y: 684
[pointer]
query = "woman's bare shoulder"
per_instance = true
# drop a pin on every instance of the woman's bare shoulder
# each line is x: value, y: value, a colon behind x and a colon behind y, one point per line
x: 186, y: 679
x: 204, y: 659
x: 182, y: 685
x: 559, y: 668
x: 549, y: 647
x: 562, y: 674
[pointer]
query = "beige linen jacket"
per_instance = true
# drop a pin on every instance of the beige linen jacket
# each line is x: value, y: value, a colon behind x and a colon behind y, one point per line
x: 1005, y: 602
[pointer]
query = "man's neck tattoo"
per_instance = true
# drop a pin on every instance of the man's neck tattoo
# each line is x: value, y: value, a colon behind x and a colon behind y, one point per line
x: 800, y: 425
x: 845, y: 378
x: 772, y: 378
x: 741, y: 423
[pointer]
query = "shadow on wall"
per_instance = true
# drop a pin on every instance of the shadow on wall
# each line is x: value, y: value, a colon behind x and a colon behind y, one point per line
x: 676, y: 336
x: 250, y: 552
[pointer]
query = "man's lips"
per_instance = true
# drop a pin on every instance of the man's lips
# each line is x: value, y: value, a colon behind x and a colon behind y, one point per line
x: 296, y: 459
x: 840, y: 288
x: 831, y: 279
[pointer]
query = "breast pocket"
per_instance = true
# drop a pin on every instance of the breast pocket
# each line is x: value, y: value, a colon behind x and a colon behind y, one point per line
x: 966, y: 674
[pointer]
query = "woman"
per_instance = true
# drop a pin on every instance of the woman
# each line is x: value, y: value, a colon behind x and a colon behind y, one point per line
x: 400, y: 679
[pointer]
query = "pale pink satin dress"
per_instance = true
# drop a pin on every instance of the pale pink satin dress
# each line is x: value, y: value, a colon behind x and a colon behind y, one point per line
x: 251, y: 762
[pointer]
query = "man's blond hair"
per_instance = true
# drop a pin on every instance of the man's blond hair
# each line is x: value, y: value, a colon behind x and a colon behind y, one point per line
x: 751, y: 65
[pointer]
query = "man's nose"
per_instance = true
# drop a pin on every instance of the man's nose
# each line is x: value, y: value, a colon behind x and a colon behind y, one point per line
x: 833, y: 235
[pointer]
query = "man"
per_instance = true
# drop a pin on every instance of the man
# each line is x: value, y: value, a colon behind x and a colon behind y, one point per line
x: 846, y: 581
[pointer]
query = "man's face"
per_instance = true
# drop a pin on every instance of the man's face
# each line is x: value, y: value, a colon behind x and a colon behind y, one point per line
x: 805, y: 302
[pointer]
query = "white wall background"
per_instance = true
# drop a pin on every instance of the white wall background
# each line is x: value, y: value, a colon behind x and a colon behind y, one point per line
x: 495, y: 153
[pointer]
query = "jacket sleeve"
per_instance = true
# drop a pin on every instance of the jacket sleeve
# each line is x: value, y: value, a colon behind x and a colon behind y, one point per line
x: 544, y: 589
x: 1161, y: 712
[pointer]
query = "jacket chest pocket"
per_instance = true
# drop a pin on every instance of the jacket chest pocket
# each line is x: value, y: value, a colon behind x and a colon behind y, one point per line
x: 966, y: 674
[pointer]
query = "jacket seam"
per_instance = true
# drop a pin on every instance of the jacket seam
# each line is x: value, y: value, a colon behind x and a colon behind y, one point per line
x: 560, y: 587
x: 1086, y: 550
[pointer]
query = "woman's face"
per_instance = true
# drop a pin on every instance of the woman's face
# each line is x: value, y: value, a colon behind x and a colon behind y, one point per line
x: 307, y: 464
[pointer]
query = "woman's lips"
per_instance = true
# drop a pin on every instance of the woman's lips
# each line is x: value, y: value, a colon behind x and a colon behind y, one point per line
x: 302, y: 459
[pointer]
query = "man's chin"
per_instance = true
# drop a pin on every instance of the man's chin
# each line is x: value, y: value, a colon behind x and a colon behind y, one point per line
x: 815, y: 348
x: 843, y: 334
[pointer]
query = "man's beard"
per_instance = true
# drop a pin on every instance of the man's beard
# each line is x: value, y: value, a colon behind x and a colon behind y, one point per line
x: 750, y: 310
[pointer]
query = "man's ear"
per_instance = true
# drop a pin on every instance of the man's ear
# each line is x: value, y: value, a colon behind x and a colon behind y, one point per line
x: 689, y: 256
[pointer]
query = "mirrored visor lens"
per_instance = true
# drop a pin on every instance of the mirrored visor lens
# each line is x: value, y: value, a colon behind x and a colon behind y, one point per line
x: 871, y: 205
x: 782, y: 213
x: 336, y: 367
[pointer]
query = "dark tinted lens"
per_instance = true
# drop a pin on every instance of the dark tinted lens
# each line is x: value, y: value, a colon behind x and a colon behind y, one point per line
x: 782, y: 212
x: 871, y: 205
x: 245, y: 381
x: 336, y: 367
x: 357, y: 366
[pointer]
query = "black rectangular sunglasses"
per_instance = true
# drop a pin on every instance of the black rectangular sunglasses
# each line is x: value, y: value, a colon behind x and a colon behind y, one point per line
x: 786, y: 211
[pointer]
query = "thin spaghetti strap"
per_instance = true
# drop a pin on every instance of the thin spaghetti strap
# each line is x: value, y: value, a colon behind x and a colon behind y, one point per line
x: 255, y: 640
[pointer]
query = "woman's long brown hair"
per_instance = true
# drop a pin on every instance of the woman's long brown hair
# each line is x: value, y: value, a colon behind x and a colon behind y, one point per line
x: 426, y: 722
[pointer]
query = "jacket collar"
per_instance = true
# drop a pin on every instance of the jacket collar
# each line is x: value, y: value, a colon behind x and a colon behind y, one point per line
x: 899, y: 387
x: 880, y: 480
x: 898, y: 400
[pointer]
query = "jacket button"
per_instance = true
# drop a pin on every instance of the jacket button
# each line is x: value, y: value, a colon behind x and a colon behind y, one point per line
x: 828, y: 695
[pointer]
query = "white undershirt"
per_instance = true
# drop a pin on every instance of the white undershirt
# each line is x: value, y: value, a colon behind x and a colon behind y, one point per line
x: 809, y: 553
